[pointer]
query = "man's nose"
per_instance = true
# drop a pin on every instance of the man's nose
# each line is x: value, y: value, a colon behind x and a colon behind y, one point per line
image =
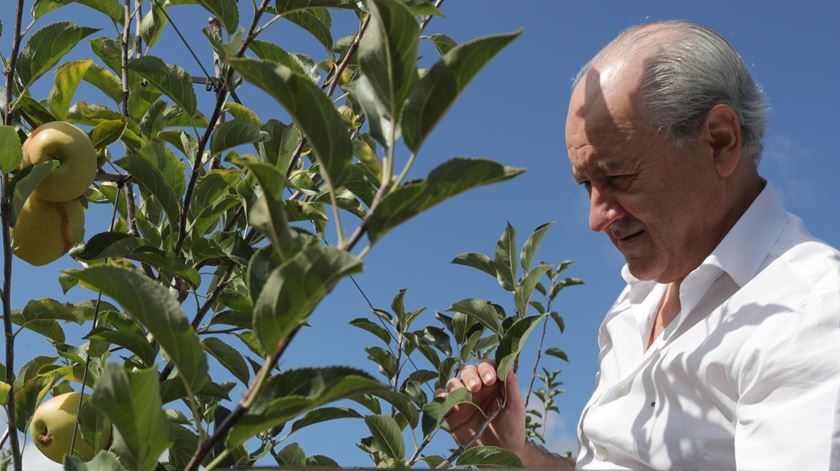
x: 603, y: 210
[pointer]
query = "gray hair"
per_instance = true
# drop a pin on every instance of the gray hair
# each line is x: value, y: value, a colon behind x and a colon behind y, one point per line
x: 689, y: 72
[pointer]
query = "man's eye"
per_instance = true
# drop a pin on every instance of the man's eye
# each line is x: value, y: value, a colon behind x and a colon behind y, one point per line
x: 622, y: 181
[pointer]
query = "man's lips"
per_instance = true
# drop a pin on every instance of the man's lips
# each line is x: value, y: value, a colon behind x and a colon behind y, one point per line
x: 627, y: 238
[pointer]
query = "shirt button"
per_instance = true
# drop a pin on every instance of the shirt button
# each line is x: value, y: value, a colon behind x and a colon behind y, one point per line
x: 601, y: 452
x: 621, y: 390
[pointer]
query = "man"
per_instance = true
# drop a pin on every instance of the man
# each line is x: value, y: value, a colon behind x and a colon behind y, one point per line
x: 723, y: 350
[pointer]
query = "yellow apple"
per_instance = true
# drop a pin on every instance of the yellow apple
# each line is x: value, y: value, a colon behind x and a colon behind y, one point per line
x: 52, y: 428
x: 73, y: 149
x: 45, y: 231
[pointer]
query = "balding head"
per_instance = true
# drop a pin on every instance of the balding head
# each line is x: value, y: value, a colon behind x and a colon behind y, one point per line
x: 685, y: 70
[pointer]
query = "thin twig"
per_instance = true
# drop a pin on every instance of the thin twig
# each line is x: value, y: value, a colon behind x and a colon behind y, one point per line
x: 124, y: 58
x: 138, y: 38
x: 202, y: 311
x: 331, y: 81
x: 427, y: 19
x: 5, y: 215
x: 221, y: 95
x: 539, y: 350
x: 458, y: 451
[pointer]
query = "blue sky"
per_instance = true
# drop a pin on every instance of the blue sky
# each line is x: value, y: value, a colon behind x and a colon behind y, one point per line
x: 514, y: 112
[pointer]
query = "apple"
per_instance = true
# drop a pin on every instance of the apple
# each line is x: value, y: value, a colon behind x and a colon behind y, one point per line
x: 74, y: 150
x: 52, y: 428
x: 45, y: 231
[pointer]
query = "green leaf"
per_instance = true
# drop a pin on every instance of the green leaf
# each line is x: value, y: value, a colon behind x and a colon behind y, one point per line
x: 111, y: 8
x: 476, y: 260
x: 442, y: 42
x: 291, y: 455
x: 524, y: 290
x: 440, y: 87
x: 288, y: 6
x: 153, y: 306
x: 387, y: 435
x: 489, y: 456
x: 311, y: 109
x: 480, y: 311
x: 67, y: 78
x: 50, y: 309
x: 103, y: 461
x: 402, y: 403
x: 131, y: 400
x: 445, y: 181
x: 324, y: 414
x: 148, y: 176
x: 314, y: 26
x: 35, y: 110
x: 133, y: 341
x: 153, y: 23
x: 121, y: 245
x: 556, y: 352
x: 229, y: 357
x: 296, y: 287
x: 107, y: 132
x: 388, y: 53
x: 531, y: 245
x: 512, y: 343
x: 171, y: 79
x: 46, y: 47
x: 372, y: 327
x: 435, y: 411
x: 26, y: 181
x: 379, y: 123
x: 105, y: 81
x: 234, y: 133
x: 296, y: 392
x: 10, y: 149
x: 272, y: 52
x: 558, y: 319
x: 504, y: 258
x: 227, y: 11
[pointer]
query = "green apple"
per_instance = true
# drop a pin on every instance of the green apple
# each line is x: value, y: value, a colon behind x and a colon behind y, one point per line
x: 52, y: 428
x: 73, y: 149
x: 45, y: 231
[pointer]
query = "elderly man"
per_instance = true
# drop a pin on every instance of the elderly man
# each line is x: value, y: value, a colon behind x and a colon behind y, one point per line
x: 723, y: 350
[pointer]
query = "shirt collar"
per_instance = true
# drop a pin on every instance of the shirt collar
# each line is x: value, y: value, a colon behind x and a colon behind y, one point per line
x: 744, y: 248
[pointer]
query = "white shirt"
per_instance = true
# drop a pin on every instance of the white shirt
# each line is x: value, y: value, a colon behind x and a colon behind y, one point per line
x: 746, y: 376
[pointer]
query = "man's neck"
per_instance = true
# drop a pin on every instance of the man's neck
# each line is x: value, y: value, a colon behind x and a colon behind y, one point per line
x: 667, y: 311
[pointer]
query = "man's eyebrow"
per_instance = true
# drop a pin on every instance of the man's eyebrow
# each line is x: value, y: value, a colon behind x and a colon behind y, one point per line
x: 607, y: 166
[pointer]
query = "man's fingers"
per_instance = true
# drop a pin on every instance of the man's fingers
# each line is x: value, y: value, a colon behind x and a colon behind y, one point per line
x: 454, y: 384
x: 470, y: 377
x: 487, y: 371
x: 440, y: 393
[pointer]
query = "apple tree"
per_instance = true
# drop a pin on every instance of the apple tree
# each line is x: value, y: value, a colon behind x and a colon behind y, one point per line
x: 216, y: 247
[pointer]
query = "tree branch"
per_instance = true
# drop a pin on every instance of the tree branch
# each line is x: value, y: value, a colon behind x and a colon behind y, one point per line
x: 5, y: 215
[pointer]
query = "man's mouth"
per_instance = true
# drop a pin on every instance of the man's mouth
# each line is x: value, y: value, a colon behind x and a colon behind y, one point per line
x: 626, y: 239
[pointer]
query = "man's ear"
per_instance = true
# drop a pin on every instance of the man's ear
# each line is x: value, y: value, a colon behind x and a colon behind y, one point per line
x: 722, y: 133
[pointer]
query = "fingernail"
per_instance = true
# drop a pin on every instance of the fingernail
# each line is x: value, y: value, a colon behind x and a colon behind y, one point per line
x: 472, y: 383
x: 487, y: 376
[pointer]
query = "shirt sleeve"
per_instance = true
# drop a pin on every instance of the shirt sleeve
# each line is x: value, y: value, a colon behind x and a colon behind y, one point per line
x: 788, y: 379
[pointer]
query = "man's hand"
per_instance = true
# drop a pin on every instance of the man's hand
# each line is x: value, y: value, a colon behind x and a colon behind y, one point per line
x: 508, y: 428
